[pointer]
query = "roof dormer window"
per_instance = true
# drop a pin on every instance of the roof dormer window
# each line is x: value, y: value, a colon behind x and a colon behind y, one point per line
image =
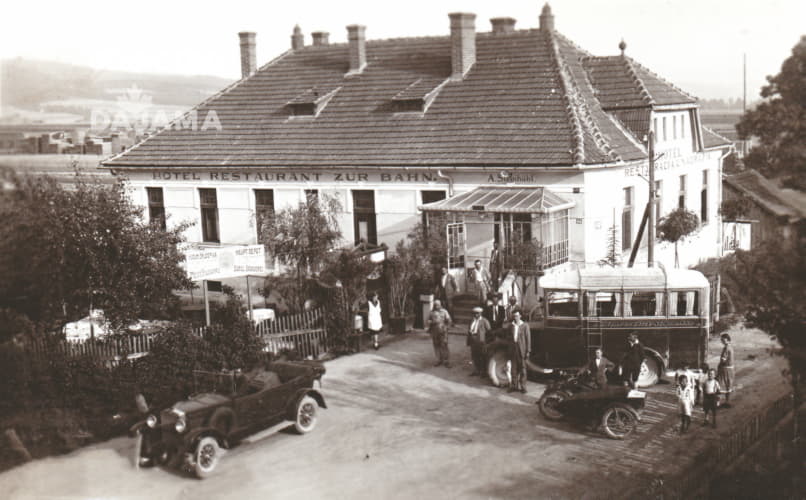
x: 417, y: 97
x: 311, y: 102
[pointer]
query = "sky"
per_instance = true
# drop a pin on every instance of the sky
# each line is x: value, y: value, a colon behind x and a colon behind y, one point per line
x: 696, y: 44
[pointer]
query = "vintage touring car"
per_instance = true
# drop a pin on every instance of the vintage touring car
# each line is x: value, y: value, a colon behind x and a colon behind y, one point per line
x: 226, y: 407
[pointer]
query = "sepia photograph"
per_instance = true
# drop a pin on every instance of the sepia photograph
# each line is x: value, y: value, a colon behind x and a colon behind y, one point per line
x: 447, y: 249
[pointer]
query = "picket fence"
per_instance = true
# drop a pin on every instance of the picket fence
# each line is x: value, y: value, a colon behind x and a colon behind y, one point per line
x: 302, y: 333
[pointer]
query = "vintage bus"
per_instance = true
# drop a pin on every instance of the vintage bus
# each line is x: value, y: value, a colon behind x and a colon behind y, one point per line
x: 591, y: 308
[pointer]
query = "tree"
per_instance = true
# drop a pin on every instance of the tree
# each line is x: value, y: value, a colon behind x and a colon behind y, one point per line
x: 401, y: 269
x: 676, y: 226
x: 613, y: 256
x: 779, y: 123
x: 301, y: 237
x: 734, y: 209
x: 772, y: 277
x: 64, y: 251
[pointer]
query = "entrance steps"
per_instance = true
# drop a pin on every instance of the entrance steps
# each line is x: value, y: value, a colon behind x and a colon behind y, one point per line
x: 463, y: 305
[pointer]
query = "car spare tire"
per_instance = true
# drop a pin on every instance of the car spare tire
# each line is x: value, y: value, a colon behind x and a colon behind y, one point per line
x: 498, y: 368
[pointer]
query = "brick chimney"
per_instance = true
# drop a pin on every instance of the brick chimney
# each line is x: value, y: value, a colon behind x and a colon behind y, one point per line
x: 248, y: 53
x: 297, y: 39
x: 546, y: 19
x: 320, y: 38
x: 503, y: 24
x: 463, y: 43
x: 358, y: 47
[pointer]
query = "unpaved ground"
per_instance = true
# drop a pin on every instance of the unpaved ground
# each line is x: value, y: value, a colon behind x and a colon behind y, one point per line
x: 397, y: 427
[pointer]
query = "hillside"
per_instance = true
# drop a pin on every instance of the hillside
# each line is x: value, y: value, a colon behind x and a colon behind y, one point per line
x: 45, y: 91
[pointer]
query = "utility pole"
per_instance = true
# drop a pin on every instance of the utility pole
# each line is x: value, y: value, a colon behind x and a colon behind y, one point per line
x: 651, y: 229
x: 744, y: 82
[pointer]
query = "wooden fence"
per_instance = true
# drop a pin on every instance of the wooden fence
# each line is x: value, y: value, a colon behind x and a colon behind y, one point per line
x: 302, y: 333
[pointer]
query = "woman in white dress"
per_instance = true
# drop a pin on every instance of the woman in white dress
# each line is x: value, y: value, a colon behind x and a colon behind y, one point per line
x: 374, y: 321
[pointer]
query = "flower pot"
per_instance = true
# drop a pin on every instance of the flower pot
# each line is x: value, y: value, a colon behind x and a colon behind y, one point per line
x: 397, y: 325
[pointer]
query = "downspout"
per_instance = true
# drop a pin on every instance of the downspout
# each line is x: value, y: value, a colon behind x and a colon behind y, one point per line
x: 450, y: 182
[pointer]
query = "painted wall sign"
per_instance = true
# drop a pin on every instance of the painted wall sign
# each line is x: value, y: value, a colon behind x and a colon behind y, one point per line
x: 672, y: 159
x: 334, y: 177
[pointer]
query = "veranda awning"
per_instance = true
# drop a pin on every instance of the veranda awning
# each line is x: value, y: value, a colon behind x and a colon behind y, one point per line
x: 525, y: 200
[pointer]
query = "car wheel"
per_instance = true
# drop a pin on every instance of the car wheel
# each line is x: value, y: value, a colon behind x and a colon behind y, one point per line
x: 650, y: 372
x: 305, y: 415
x: 619, y: 421
x: 207, y: 455
x: 497, y: 368
x: 549, y: 404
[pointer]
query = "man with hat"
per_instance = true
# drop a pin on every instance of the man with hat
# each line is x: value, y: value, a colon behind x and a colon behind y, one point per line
x: 632, y: 360
x: 494, y: 311
x: 476, y: 338
x: 438, y: 323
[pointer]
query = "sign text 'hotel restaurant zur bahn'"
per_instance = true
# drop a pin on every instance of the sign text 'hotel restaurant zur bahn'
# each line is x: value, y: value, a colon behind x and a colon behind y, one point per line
x: 508, y: 134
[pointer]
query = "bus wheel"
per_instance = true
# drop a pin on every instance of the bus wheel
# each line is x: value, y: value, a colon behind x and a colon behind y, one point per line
x: 497, y: 368
x: 650, y: 372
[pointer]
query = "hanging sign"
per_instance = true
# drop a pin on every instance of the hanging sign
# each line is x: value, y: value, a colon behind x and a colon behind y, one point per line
x: 225, y: 262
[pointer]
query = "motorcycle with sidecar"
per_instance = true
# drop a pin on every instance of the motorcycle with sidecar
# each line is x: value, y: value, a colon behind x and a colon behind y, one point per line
x: 615, y: 409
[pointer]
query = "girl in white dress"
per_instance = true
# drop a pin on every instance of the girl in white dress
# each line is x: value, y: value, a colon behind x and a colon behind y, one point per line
x: 375, y: 323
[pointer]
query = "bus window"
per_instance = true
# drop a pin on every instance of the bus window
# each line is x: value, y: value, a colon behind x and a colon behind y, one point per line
x: 644, y: 304
x: 564, y: 304
x: 602, y: 304
x: 684, y: 304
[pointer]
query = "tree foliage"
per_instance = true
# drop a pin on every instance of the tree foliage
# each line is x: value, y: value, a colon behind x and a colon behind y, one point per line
x: 612, y: 256
x: 63, y: 251
x: 301, y: 237
x: 772, y: 277
x: 676, y: 226
x: 779, y: 122
x: 734, y: 209
x: 402, y: 269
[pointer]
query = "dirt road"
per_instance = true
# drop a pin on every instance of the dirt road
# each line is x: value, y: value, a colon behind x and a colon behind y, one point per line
x: 397, y: 427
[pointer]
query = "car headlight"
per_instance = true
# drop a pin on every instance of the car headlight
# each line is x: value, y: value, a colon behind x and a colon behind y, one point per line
x: 180, y: 425
x: 151, y: 421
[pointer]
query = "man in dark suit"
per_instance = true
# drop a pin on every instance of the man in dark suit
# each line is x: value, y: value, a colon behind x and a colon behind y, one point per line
x: 445, y: 289
x: 522, y: 347
x: 494, y: 311
x: 633, y: 360
x: 477, y: 335
x: 597, y: 368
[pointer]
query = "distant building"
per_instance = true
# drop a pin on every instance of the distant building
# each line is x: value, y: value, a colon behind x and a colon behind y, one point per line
x: 773, y: 213
x: 505, y: 136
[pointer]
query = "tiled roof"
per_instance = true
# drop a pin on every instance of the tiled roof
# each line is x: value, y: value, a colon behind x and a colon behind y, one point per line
x: 765, y: 193
x: 531, y: 98
x: 711, y: 139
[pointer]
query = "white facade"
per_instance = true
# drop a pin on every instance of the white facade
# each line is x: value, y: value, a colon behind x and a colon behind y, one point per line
x: 598, y: 194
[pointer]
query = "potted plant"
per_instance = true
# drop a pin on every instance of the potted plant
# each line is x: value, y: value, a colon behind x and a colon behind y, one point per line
x: 401, y: 275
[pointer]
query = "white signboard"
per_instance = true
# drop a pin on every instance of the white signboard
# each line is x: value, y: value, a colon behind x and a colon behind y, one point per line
x: 225, y: 262
x: 735, y: 236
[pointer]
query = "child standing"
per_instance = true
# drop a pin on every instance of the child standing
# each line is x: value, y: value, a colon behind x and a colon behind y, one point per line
x: 710, y: 394
x: 685, y: 398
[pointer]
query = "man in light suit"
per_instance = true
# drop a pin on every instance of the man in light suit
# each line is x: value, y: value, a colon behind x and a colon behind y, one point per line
x: 476, y: 339
x: 481, y: 278
x: 521, y: 349
x: 445, y: 289
x: 597, y: 368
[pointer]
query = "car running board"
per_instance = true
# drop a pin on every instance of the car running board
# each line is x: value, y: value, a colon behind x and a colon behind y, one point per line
x: 274, y: 429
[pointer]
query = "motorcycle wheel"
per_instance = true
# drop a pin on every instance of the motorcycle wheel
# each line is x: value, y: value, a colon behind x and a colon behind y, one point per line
x: 619, y: 421
x: 549, y: 404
